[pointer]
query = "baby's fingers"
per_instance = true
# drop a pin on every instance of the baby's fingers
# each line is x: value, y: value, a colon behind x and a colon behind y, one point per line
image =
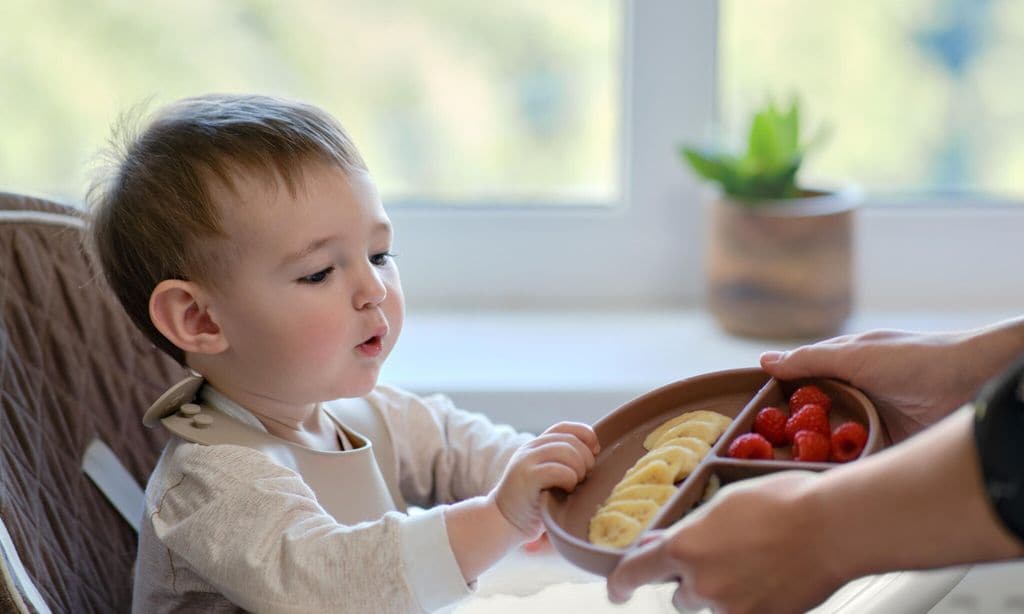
x: 571, y: 440
x: 581, y: 431
x: 565, y: 453
x: 556, y: 475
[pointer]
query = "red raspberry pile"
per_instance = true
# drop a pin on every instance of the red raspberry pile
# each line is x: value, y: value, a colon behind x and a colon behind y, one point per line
x: 806, y: 430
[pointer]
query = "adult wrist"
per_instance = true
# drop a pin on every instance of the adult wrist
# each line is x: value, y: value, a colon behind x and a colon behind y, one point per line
x: 998, y: 435
x: 993, y: 347
x: 817, y: 510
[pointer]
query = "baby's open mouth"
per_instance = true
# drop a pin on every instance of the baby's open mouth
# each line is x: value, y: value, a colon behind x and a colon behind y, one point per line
x: 370, y: 347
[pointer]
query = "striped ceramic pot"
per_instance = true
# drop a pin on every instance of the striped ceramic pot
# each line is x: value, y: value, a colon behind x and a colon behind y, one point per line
x: 782, y: 269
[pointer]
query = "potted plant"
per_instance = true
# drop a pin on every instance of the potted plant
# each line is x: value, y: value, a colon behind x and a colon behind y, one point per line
x: 779, y: 255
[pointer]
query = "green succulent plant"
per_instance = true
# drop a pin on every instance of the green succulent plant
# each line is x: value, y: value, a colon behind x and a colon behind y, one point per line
x: 768, y: 169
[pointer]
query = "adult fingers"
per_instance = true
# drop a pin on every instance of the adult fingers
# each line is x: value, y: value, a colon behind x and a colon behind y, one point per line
x: 648, y: 563
x: 650, y: 536
x: 685, y: 599
x: 820, y: 360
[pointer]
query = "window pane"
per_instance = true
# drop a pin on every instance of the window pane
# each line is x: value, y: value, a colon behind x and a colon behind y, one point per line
x: 922, y: 96
x: 447, y: 99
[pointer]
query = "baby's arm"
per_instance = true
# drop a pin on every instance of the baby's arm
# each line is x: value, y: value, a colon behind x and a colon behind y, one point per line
x: 483, y: 529
x: 494, y: 474
x: 443, y: 454
x: 253, y: 531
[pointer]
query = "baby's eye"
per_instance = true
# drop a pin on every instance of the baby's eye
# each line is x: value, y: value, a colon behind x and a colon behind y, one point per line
x: 317, y: 278
x: 381, y: 259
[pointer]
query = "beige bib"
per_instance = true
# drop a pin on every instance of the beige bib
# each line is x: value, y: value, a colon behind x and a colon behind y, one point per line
x: 349, y: 485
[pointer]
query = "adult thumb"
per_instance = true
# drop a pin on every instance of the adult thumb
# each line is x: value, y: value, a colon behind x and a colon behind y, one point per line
x: 808, y: 361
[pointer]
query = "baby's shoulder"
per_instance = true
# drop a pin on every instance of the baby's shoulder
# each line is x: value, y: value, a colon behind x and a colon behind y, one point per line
x: 200, y: 485
x: 212, y: 468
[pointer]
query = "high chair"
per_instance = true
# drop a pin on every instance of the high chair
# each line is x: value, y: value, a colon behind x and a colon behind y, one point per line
x: 75, y: 377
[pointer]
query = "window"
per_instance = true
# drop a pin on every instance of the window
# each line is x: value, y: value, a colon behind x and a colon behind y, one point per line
x: 450, y: 101
x: 586, y: 205
x: 921, y: 96
x: 926, y: 114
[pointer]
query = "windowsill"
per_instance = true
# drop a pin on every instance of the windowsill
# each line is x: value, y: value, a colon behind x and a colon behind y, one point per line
x: 531, y: 369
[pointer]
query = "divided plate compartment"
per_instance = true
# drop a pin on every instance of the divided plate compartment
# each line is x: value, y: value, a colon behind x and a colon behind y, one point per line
x: 737, y: 393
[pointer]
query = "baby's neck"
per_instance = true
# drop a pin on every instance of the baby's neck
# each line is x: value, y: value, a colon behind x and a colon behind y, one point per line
x: 307, y: 425
x: 316, y: 432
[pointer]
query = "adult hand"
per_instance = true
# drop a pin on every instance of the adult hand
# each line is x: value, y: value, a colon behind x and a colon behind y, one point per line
x: 914, y: 379
x: 754, y: 547
x: 773, y: 544
x: 785, y: 542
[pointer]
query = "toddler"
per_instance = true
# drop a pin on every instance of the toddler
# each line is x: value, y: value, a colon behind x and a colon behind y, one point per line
x: 245, y: 237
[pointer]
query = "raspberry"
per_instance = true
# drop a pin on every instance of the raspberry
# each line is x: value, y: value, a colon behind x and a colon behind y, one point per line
x: 810, y: 446
x: 805, y: 395
x: 848, y: 441
x: 751, y: 445
x: 770, y: 423
x: 808, y: 418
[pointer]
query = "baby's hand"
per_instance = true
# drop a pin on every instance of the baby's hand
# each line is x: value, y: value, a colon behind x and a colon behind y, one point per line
x: 561, y: 456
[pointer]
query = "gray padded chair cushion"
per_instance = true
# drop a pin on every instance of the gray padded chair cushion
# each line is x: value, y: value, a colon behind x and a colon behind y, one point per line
x: 72, y: 368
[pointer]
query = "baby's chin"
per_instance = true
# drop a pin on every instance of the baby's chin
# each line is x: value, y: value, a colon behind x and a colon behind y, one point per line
x: 313, y: 393
x: 351, y: 390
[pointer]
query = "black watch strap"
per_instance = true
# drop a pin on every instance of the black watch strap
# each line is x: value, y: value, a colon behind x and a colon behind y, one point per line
x: 999, y: 436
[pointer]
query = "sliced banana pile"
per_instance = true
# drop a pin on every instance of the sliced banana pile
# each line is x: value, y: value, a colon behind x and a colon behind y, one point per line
x: 674, y: 450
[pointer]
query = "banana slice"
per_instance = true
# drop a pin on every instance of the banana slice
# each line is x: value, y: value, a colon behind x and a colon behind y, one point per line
x: 700, y: 414
x: 614, y: 529
x: 699, y: 446
x: 709, y: 432
x: 659, y: 493
x: 641, y: 510
x: 711, y: 488
x: 654, y: 472
x: 674, y: 449
x: 681, y: 461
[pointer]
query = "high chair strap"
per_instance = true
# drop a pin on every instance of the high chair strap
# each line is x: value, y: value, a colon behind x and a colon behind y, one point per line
x: 115, y: 482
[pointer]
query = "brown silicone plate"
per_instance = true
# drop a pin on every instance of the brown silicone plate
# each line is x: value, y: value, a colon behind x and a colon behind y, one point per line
x: 738, y: 393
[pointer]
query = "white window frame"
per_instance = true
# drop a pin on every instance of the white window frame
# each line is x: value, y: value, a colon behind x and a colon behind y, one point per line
x: 645, y: 250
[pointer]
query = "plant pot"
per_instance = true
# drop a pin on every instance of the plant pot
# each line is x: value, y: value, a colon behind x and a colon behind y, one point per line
x: 782, y: 269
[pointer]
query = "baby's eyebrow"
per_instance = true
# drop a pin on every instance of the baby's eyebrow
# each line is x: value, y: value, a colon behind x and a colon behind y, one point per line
x: 309, y: 249
x: 378, y: 228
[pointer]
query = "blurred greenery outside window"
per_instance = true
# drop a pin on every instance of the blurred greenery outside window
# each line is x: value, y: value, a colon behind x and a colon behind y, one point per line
x: 923, y: 97
x: 449, y: 101
x: 457, y: 102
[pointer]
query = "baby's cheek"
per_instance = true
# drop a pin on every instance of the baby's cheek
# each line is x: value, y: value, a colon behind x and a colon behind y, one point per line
x: 318, y: 340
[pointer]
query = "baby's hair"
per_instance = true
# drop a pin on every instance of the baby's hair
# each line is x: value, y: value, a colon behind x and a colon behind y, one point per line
x: 151, y: 209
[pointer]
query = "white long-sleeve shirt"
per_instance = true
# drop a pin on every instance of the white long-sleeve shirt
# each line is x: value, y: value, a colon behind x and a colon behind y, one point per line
x: 227, y: 528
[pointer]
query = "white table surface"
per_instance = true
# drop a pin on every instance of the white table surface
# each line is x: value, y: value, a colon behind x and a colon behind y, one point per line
x: 542, y: 582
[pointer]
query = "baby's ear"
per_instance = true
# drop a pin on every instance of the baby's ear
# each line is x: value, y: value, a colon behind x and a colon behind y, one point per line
x: 178, y: 310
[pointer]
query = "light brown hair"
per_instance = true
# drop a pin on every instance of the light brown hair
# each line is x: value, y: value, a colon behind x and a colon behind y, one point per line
x: 151, y: 210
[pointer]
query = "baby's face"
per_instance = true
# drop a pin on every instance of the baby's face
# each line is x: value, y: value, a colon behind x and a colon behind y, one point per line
x: 309, y: 297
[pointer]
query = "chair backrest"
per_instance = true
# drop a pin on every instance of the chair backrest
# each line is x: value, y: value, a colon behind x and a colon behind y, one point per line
x: 72, y: 369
